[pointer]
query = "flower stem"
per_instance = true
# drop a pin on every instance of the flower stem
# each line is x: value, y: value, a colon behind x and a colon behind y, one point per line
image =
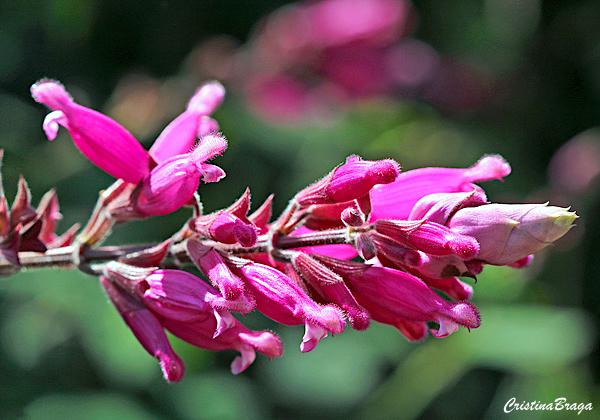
x: 65, y: 257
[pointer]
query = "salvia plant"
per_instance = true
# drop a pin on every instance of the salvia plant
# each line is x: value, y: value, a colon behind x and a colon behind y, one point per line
x: 366, y: 243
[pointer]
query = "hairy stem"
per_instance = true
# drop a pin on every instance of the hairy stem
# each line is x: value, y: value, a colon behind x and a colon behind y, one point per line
x: 67, y: 257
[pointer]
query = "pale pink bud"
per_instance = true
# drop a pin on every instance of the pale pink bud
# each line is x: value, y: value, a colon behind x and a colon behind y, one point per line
x: 180, y: 135
x: 509, y: 232
x: 102, y: 140
x: 349, y: 181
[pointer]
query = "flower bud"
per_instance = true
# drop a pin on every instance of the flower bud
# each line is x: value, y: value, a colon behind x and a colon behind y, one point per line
x: 331, y: 286
x: 509, y: 232
x: 281, y: 299
x: 432, y: 238
x: 403, y: 295
x: 349, y: 181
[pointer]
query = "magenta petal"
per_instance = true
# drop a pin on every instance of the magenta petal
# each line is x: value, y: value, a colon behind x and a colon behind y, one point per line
x: 169, y: 187
x: 181, y: 134
x: 173, y: 182
x: 52, y: 122
x: 147, y: 329
x: 396, y: 200
x: 101, y: 139
x: 281, y: 299
x: 312, y: 335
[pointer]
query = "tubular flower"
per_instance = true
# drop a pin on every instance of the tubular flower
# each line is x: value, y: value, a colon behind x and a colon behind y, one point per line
x: 403, y: 295
x: 396, y: 200
x: 181, y: 134
x: 349, y: 181
x: 152, y: 300
x: 173, y: 182
x: 102, y: 140
x: 181, y: 164
x: 281, y: 299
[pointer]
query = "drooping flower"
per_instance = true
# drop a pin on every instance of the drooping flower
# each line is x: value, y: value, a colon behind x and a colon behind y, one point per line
x: 404, y: 295
x: 278, y: 297
x: 147, y: 329
x: 151, y: 300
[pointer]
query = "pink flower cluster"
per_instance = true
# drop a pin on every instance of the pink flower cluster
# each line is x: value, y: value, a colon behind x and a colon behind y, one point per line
x: 365, y: 243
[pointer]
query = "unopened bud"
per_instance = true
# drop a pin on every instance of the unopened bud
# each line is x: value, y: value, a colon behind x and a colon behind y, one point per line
x: 509, y: 232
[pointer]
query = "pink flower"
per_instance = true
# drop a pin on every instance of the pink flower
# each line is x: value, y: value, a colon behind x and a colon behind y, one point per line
x: 349, y: 181
x: 113, y: 149
x: 396, y: 200
x: 284, y: 301
x: 173, y: 182
x: 183, y: 297
x: 150, y: 300
x: 404, y: 295
x: 147, y: 329
x: 181, y: 134
x: 102, y: 140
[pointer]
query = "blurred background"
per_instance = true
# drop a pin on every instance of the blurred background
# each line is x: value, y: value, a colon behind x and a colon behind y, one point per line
x: 428, y: 83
